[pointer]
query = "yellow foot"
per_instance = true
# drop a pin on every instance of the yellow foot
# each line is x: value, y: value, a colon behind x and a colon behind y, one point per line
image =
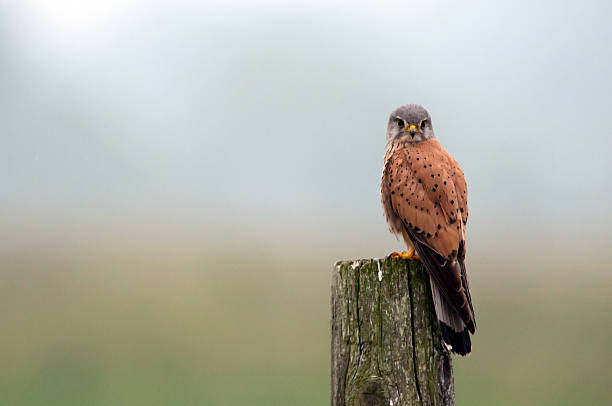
x: 410, y: 255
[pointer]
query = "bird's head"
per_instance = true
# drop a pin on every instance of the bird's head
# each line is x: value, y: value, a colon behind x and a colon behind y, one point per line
x: 411, y: 123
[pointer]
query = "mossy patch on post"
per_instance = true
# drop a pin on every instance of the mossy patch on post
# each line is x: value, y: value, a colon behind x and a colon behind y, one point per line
x: 386, y: 347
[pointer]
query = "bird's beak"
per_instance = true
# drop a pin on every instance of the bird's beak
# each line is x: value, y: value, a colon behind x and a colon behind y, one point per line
x: 411, y: 129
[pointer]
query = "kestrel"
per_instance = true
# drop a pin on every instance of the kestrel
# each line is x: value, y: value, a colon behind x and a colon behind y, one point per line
x: 424, y: 197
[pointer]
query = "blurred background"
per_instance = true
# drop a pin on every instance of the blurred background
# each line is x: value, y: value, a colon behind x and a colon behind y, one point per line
x: 177, y: 179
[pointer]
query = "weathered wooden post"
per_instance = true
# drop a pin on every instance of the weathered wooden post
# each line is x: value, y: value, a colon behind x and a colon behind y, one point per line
x: 386, y: 347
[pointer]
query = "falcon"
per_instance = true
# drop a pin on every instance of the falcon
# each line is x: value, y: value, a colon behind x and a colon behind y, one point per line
x: 424, y: 198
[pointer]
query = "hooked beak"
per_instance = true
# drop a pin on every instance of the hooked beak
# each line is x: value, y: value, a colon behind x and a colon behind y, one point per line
x: 411, y: 129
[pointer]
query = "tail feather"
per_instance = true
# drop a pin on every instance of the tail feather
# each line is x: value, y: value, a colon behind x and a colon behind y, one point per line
x: 459, y: 342
x: 454, y: 331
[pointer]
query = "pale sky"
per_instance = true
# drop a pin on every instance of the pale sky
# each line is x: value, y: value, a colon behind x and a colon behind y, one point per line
x: 133, y: 107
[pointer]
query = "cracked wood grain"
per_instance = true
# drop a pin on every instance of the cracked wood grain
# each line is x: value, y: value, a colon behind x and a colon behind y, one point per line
x: 385, y: 339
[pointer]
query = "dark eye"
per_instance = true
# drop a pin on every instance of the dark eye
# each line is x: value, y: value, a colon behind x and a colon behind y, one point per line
x: 423, y: 123
x: 400, y: 122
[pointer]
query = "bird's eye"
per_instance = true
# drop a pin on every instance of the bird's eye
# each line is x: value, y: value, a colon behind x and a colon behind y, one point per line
x: 400, y: 122
x: 423, y: 123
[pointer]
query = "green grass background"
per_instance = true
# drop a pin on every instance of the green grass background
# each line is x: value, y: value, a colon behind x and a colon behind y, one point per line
x: 167, y: 327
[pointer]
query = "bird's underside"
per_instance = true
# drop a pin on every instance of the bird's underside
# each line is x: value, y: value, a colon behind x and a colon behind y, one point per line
x: 424, y: 197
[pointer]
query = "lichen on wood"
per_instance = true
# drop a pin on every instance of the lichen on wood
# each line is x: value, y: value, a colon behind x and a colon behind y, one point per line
x: 386, y: 347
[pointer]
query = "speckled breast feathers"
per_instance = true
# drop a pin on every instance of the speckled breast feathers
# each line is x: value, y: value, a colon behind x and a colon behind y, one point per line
x: 423, y: 189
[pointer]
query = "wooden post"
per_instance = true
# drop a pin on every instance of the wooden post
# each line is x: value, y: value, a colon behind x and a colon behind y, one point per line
x: 386, y: 347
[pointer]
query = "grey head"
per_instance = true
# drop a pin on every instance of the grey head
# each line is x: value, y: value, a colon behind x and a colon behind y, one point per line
x: 410, y: 123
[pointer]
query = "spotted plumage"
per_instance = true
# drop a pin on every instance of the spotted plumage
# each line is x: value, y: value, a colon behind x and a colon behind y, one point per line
x: 424, y: 197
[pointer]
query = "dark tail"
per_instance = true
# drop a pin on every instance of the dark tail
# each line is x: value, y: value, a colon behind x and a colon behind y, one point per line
x: 451, y: 296
x: 454, y: 331
x: 459, y: 342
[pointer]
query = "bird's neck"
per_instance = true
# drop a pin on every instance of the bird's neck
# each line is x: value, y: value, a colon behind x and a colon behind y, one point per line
x: 397, y: 145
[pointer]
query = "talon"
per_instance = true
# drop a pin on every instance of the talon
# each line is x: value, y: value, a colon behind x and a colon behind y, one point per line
x: 410, y: 255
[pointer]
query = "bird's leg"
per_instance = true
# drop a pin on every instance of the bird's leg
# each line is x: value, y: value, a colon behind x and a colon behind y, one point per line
x: 410, y: 255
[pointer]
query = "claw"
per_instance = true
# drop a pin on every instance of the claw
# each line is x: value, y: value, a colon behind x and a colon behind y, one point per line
x: 410, y: 255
